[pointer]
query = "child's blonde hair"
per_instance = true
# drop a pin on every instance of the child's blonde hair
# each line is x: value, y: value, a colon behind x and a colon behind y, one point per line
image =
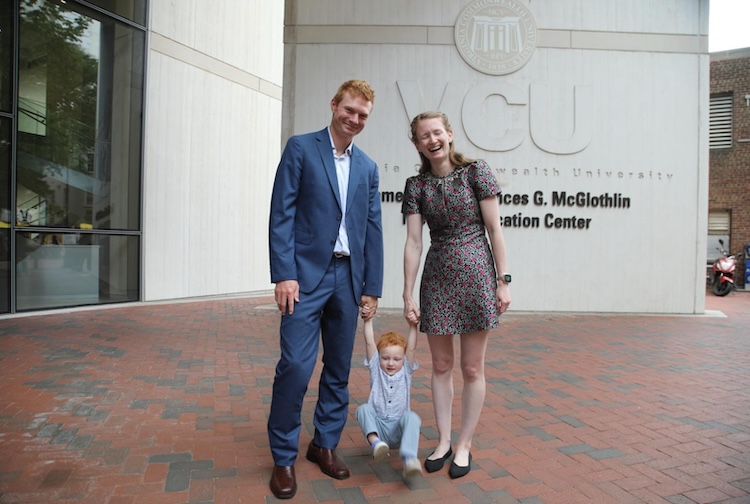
x: 391, y: 339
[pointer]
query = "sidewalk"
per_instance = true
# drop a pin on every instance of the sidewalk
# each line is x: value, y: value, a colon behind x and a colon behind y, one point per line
x: 168, y: 404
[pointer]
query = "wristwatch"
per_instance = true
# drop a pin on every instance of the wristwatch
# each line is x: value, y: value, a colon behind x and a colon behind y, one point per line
x: 505, y: 278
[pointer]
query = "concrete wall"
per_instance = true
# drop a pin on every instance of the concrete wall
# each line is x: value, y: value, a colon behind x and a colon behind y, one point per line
x: 601, y: 98
x: 213, y: 117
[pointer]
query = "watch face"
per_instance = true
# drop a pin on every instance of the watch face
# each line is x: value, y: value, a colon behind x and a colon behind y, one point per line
x: 506, y: 278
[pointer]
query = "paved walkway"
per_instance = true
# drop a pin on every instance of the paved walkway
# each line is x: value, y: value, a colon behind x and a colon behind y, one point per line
x: 168, y: 404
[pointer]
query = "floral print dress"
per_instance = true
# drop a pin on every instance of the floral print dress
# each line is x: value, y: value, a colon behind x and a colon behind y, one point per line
x: 457, y: 291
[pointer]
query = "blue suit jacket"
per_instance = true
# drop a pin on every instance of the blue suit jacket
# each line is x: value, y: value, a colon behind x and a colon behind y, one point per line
x: 306, y: 211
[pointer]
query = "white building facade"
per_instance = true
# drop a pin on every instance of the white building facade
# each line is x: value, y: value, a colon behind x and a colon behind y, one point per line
x: 592, y: 114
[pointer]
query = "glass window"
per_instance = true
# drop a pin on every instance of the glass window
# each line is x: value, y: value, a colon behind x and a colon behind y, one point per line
x: 6, y: 55
x: 719, y: 224
x: 80, y: 87
x: 135, y: 10
x: 6, y: 216
x: 55, y: 270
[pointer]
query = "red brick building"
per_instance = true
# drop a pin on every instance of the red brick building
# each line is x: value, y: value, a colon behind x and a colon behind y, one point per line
x: 729, y: 158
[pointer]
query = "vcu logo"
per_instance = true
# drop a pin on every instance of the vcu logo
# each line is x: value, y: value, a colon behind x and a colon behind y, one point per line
x: 496, y: 37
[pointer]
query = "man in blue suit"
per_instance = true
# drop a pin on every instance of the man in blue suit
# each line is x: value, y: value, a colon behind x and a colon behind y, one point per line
x: 326, y: 254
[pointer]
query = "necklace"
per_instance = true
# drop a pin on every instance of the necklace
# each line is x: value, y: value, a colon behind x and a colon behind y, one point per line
x: 453, y: 170
x: 441, y: 179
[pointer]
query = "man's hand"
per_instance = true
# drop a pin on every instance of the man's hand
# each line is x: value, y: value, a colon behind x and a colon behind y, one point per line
x: 286, y: 294
x: 368, y: 306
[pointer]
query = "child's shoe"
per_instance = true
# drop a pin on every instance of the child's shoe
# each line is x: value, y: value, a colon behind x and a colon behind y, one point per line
x: 380, y: 451
x: 412, y: 468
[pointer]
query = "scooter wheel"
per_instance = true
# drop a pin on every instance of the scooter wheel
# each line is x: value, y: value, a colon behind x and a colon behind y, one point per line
x: 722, y: 288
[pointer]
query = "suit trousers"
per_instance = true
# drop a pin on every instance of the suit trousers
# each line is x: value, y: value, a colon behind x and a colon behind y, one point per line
x: 402, y: 432
x: 328, y: 314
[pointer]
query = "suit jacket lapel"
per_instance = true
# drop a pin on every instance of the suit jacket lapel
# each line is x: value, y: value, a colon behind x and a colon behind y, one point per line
x: 356, y: 173
x: 326, y: 154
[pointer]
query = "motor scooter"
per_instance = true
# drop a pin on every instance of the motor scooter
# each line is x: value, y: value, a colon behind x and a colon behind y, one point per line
x: 721, y: 278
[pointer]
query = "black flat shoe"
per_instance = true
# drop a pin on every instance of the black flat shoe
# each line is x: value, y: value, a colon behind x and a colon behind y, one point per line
x: 456, y: 471
x: 437, y: 464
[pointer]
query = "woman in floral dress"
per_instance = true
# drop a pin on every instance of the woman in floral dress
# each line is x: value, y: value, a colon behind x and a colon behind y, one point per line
x: 464, y: 285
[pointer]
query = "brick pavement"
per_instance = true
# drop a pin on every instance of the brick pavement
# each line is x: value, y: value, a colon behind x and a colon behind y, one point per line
x: 168, y: 404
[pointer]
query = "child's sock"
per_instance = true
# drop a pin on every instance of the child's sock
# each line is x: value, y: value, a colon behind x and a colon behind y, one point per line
x: 377, y: 440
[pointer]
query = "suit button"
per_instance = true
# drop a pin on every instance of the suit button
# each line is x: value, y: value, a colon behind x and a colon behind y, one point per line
x: 339, y: 217
x: 333, y: 242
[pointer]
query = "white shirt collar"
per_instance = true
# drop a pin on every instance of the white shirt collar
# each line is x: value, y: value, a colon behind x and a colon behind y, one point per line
x: 347, y: 151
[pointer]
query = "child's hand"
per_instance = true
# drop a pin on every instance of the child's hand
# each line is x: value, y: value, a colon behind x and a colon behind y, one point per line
x: 364, y: 312
x: 368, y: 306
x: 411, y: 312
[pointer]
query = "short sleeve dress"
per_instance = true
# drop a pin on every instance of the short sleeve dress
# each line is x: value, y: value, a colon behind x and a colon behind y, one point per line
x: 457, y: 290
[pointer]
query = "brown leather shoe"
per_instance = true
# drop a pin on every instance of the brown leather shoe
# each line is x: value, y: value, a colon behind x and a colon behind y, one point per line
x: 283, y: 482
x: 329, y: 462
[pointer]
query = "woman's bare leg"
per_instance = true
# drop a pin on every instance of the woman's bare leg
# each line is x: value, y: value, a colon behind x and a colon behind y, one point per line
x: 473, y: 350
x: 441, y: 349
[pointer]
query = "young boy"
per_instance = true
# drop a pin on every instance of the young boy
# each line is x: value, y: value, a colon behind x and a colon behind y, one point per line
x: 386, y: 419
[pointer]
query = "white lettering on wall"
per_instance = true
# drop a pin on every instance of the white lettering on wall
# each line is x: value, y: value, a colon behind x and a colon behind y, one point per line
x: 487, y: 135
x: 583, y: 120
x: 495, y: 134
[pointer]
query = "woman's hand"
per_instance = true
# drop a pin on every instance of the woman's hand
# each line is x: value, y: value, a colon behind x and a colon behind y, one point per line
x: 411, y: 311
x: 503, y: 297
